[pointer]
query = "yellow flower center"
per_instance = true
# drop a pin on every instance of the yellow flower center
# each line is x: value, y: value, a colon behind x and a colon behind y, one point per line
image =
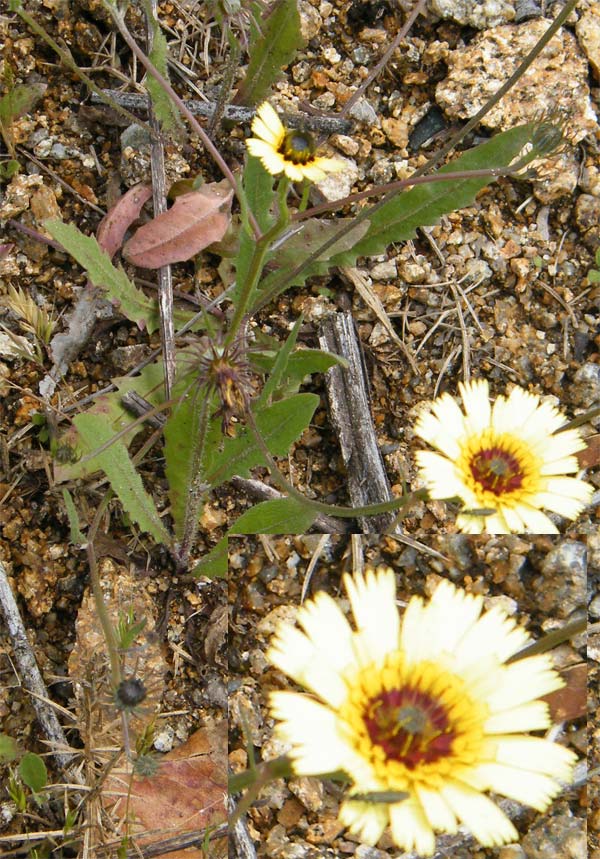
x: 499, y: 466
x: 297, y: 147
x: 413, y: 723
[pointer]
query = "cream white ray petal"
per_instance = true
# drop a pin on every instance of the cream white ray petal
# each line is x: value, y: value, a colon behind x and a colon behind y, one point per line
x: 535, y: 754
x: 512, y: 413
x: 476, y: 398
x: 533, y: 716
x: 315, y: 171
x: 495, y: 632
x: 366, y: 819
x: 266, y: 124
x: 410, y: 828
x: 293, y: 654
x: 373, y: 601
x: 473, y: 524
x: 450, y: 614
x: 535, y: 521
x: 443, y: 478
x: 513, y: 518
x: 531, y: 788
x: 293, y: 171
x: 314, y: 732
x: 327, y: 628
x: 568, y: 489
x: 523, y: 681
x: 485, y: 820
x: 444, y: 436
x: 437, y: 811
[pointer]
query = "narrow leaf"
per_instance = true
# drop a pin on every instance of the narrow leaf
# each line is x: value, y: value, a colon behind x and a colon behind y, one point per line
x: 76, y: 537
x: 124, y: 479
x: 279, y: 516
x: 102, y: 273
x: 274, y: 40
x: 185, y: 437
x: 164, y: 109
x: 195, y: 221
x: 279, y: 367
x: 258, y: 186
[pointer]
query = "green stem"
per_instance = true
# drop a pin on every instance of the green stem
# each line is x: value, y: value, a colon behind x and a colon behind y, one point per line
x: 197, y: 488
x: 103, y: 616
x: 369, y: 211
x: 257, y: 262
x: 331, y: 509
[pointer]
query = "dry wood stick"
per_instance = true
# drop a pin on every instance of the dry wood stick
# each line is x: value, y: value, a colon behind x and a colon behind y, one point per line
x: 31, y: 678
x: 351, y: 416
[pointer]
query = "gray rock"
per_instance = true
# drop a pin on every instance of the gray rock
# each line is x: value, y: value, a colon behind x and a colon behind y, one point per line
x: 481, y: 15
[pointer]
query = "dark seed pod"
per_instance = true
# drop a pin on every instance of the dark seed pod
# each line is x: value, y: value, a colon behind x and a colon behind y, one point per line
x: 130, y: 693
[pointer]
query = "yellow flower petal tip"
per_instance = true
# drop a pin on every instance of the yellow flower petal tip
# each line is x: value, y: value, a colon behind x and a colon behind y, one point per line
x: 288, y: 151
x: 506, y: 461
x: 425, y: 725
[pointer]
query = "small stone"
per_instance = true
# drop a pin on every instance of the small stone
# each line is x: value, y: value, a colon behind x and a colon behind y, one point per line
x: 163, y: 741
x: 310, y: 20
x: 309, y: 790
x: 480, y: 15
x: 585, y: 390
x: 336, y: 186
x: 384, y: 270
x: 588, y: 35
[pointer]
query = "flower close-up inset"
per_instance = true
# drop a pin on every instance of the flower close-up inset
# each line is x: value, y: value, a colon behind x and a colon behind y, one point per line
x: 288, y: 151
x: 506, y: 459
x: 420, y: 711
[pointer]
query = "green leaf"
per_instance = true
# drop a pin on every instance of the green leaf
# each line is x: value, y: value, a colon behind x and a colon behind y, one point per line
x: 8, y: 169
x: 32, y: 770
x: 302, y: 363
x: 274, y: 40
x: 8, y: 749
x: 19, y: 101
x: 279, y: 368
x: 280, y: 425
x: 121, y: 472
x: 398, y: 219
x: 214, y: 564
x: 85, y: 249
x: 164, y: 109
x: 258, y: 186
x: 185, y: 438
x: 76, y: 537
x: 280, y: 516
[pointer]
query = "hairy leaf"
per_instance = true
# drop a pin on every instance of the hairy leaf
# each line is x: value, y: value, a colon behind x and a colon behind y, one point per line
x: 279, y: 516
x: 121, y: 472
x: 164, y: 109
x: 274, y: 39
x: 85, y: 249
x: 279, y: 367
x: 20, y: 100
x: 279, y: 425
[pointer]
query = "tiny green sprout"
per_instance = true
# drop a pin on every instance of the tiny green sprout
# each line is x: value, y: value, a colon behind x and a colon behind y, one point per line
x: 70, y: 820
x: 16, y: 792
x: 128, y: 630
x: 538, y: 262
x: 593, y: 274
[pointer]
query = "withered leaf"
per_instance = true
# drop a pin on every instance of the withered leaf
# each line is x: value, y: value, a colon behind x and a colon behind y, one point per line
x: 195, y: 221
x: 119, y: 218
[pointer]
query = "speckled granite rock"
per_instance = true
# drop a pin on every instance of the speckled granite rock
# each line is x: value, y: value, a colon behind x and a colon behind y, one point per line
x: 555, y: 84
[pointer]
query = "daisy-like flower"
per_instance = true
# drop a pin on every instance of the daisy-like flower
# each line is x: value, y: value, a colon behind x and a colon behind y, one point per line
x: 288, y: 151
x: 506, y: 459
x: 421, y: 712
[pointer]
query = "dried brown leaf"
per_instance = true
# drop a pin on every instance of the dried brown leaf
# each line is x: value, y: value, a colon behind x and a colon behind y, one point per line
x: 195, y: 221
x: 119, y: 218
